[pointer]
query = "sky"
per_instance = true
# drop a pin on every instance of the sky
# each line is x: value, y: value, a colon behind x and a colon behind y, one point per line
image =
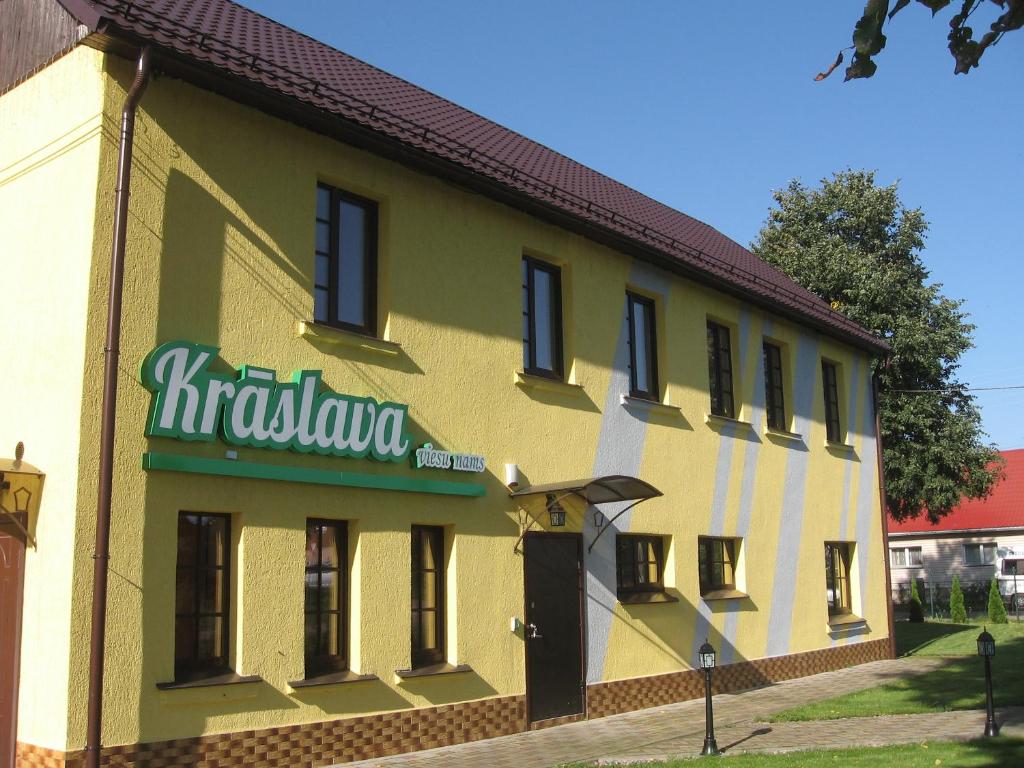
x: 708, y: 107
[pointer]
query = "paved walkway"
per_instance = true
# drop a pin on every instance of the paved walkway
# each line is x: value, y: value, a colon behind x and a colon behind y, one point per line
x: 678, y: 729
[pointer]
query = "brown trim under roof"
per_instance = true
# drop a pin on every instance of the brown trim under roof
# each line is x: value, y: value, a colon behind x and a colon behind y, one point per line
x: 205, y: 57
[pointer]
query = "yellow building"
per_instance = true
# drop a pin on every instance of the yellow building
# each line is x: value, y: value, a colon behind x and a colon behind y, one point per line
x: 369, y: 343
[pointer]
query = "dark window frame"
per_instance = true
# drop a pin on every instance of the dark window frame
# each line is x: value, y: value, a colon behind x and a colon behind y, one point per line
x: 774, y: 387
x: 531, y: 265
x: 625, y: 543
x: 830, y: 389
x: 632, y: 299
x: 370, y: 244
x: 720, y: 365
x: 420, y: 656
x: 705, y: 565
x: 198, y: 668
x: 837, y: 580
x: 327, y: 663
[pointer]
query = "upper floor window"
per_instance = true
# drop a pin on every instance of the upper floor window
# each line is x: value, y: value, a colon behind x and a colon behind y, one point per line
x: 427, y: 595
x: 774, y: 400
x: 716, y: 561
x: 643, y: 355
x: 905, y: 557
x: 542, y: 319
x: 837, y: 577
x: 345, y: 281
x: 833, y: 428
x: 201, y: 618
x: 326, y: 597
x: 979, y: 554
x: 639, y: 564
x: 720, y: 370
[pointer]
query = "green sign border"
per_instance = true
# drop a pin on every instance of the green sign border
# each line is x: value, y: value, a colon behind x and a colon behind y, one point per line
x: 172, y: 462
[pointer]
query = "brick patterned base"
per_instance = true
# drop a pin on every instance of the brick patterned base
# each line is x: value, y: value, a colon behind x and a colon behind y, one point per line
x: 617, y: 696
x: 360, y: 738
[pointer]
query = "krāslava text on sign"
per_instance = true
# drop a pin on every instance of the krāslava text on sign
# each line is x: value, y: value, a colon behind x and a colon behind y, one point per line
x: 254, y: 409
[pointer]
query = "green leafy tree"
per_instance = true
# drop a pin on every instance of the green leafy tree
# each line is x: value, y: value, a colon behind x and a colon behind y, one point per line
x: 916, y: 609
x: 996, y: 608
x: 856, y: 246
x: 868, y: 39
x: 957, y: 612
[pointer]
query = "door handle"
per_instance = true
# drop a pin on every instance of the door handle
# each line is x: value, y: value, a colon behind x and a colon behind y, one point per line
x: 531, y: 632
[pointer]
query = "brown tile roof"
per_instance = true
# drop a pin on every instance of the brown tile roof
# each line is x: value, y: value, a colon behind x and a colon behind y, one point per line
x: 236, y: 40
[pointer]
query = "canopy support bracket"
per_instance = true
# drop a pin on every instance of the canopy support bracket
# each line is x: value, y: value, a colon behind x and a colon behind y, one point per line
x: 608, y: 523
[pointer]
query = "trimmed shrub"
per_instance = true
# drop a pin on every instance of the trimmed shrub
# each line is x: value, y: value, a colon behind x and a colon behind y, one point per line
x: 996, y: 608
x: 916, y: 609
x: 957, y: 612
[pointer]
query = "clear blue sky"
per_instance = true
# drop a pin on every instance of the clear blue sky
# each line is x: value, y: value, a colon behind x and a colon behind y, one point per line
x: 709, y: 106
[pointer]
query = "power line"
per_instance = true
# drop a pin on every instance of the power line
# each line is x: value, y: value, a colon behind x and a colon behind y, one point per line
x: 954, y: 390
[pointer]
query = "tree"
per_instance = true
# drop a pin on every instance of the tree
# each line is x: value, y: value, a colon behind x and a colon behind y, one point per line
x: 856, y: 246
x: 996, y: 609
x: 916, y: 609
x: 868, y: 39
x: 957, y: 612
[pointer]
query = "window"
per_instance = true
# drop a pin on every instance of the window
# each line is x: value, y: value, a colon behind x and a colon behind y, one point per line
x: 1012, y: 567
x: 774, y: 402
x: 720, y: 371
x: 905, y: 557
x: 326, y: 597
x: 639, y: 564
x: 542, y: 319
x: 643, y: 356
x: 833, y: 430
x: 979, y: 554
x: 837, y: 577
x: 427, y: 595
x: 201, y: 618
x: 345, y: 280
x: 716, y: 559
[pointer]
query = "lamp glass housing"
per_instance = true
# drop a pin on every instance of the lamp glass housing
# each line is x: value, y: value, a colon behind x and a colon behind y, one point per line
x: 556, y: 511
x: 986, y: 644
x: 707, y: 656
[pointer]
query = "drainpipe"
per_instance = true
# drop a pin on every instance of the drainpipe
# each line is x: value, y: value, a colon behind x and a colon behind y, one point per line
x: 875, y: 386
x: 112, y: 352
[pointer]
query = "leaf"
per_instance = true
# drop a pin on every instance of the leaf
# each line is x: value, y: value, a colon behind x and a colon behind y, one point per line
x: 861, y: 66
x: 934, y: 5
x: 900, y: 5
x: 822, y: 75
x: 867, y: 35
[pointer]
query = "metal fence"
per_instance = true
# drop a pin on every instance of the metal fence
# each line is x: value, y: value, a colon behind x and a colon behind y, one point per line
x: 935, y: 598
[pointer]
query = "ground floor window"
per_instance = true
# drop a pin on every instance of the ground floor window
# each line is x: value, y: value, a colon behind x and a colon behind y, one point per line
x: 427, y: 595
x: 979, y: 554
x: 716, y: 560
x: 639, y: 564
x: 201, y: 619
x: 326, y: 597
x: 905, y: 557
x: 837, y: 577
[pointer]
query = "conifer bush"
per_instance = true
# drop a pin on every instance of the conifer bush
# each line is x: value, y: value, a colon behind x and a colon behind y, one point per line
x: 996, y: 608
x: 916, y: 609
x: 957, y: 611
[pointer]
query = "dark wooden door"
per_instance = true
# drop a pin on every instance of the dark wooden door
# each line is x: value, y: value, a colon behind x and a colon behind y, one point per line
x: 12, y: 574
x: 554, y: 624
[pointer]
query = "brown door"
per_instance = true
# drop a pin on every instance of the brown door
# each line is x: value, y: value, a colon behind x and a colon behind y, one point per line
x: 553, y: 565
x: 12, y: 575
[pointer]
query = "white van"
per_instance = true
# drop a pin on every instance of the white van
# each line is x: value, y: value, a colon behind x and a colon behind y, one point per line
x: 1010, y: 574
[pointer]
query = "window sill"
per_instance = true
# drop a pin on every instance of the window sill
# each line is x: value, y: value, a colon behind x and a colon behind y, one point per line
x: 718, y: 422
x: 434, y: 670
x: 329, y: 335
x: 845, y: 620
x: 782, y: 434
x: 844, y: 448
x: 543, y: 383
x: 645, y: 598
x: 643, y: 404
x: 334, y: 678
x: 208, y: 682
x: 724, y: 594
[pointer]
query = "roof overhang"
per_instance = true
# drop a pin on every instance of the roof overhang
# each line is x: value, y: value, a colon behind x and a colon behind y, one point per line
x: 596, y: 490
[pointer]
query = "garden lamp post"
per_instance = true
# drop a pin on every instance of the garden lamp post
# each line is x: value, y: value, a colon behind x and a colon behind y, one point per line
x: 987, y: 649
x: 706, y: 656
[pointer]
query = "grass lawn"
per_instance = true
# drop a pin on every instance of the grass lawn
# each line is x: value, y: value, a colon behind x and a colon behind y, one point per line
x: 959, y: 685
x: 974, y: 754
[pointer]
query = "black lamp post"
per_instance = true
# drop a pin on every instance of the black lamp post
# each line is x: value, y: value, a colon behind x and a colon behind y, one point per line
x: 987, y: 649
x: 706, y: 656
